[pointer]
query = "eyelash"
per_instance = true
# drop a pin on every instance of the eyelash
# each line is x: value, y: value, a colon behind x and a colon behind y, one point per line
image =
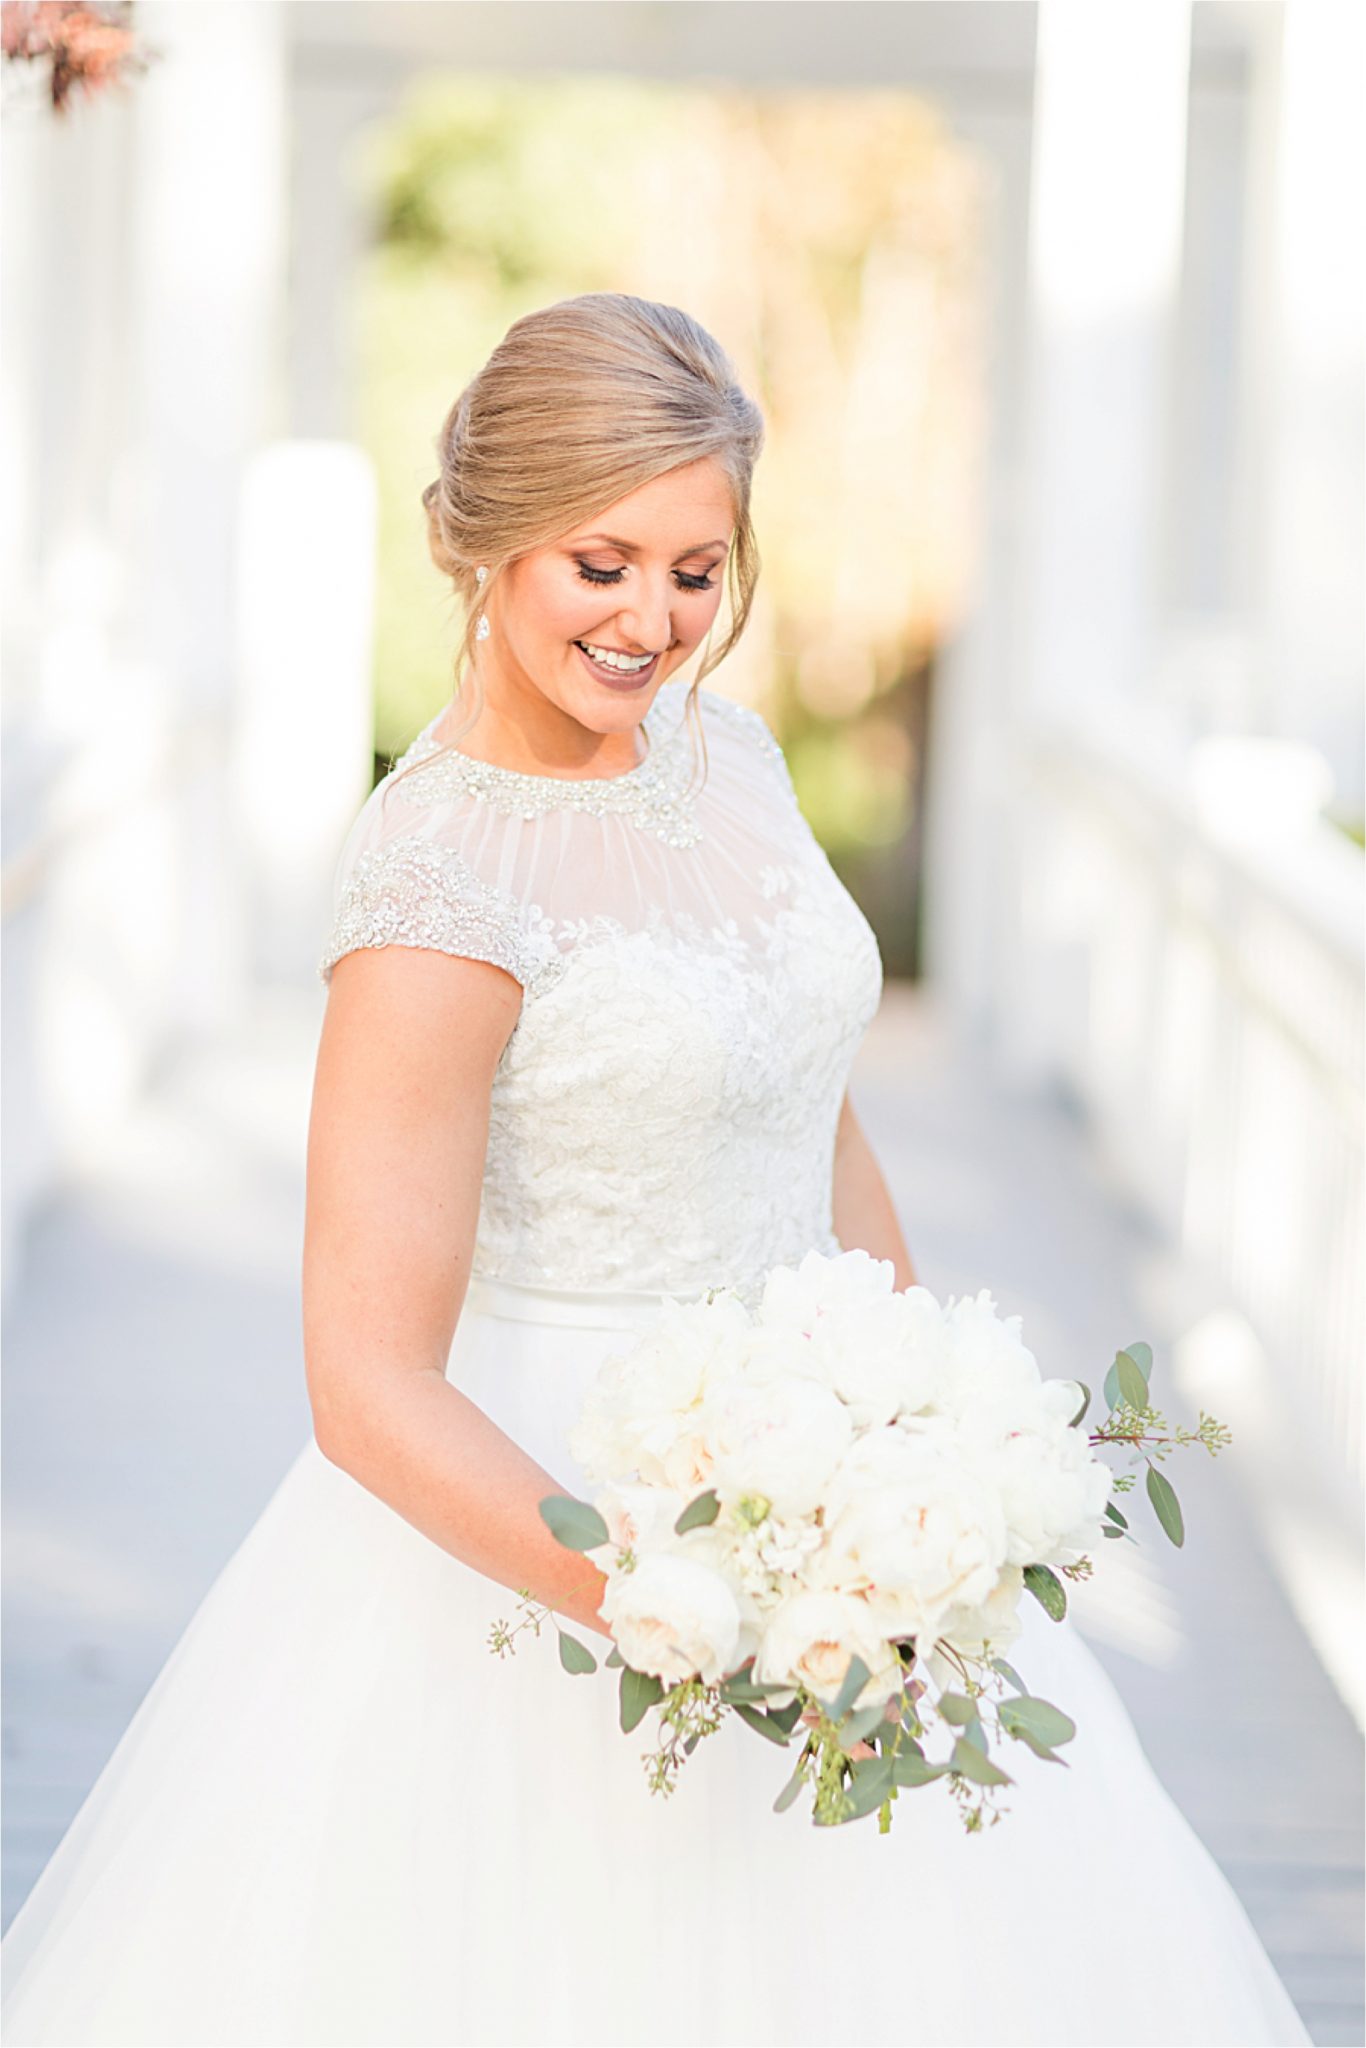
x: 686, y: 582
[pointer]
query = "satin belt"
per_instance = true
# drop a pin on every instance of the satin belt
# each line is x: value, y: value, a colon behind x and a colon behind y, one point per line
x: 583, y: 1308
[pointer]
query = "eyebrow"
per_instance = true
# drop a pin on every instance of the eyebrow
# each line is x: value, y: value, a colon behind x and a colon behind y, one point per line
x: 629, y: 547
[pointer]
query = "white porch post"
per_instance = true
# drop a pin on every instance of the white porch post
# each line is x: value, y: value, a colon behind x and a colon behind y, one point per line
x: 1104, y: 262
x: 210, y: 251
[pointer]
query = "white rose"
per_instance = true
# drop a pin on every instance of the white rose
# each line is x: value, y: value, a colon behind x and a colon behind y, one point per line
x: 811, y: 1640
x: 674, y: 1618
x: 915, y: 1528
x: 780, y: 1438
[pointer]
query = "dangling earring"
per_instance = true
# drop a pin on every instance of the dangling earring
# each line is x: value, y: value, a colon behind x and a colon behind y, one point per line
x: 483, y: 629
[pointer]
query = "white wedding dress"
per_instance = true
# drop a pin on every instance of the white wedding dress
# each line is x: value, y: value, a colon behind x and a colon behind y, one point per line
x: 338, y: 1819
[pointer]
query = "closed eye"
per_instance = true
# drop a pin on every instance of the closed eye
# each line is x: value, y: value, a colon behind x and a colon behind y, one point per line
x: 685, y: 582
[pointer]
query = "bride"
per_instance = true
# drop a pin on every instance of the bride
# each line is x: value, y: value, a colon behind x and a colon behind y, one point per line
x: 594, y: 993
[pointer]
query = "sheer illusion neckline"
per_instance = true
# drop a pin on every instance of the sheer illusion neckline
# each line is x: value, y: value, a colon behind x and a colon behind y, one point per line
x: 653, y: 795
x: 655, y: 725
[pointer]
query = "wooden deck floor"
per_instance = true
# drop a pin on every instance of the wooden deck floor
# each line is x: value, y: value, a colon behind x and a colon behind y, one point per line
x: 154, y: 1396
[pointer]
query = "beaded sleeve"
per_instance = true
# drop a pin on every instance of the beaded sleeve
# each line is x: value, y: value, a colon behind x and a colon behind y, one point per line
x: 415, y: 892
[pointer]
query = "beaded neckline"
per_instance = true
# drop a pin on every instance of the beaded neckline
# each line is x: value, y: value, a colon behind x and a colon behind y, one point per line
x: 653, y: 794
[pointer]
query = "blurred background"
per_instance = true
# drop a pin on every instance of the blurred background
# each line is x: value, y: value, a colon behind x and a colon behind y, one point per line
x: 1055, y: 313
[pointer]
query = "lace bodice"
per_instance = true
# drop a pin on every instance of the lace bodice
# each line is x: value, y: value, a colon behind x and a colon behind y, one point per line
x: 695, y: 982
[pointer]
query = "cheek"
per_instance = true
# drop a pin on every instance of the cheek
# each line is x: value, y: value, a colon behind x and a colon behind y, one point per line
x: 694, y: 620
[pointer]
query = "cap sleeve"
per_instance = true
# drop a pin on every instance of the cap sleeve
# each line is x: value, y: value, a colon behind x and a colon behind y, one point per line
x: 416, y: 891
x: 751, y: 725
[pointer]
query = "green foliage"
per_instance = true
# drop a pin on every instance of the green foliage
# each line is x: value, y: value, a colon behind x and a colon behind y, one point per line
x: 855, y: 1678
x: 762, y: 1724
x: 1127, y: 1379
x: 1047, y: 1589
x: 699, y: 1513
x: 1165, y: 1505
x: 574, y: 1523
x: 639, y: 1692
x: 575, y: 1656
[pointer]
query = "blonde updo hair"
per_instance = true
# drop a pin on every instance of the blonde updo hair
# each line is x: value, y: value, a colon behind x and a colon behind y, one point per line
x: 581, y: 403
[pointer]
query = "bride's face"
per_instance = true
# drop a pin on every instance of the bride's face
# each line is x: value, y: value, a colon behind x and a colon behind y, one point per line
x: 641, y: 578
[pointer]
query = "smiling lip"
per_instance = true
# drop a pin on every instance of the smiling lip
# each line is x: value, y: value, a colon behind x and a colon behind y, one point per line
x: 619, y: 679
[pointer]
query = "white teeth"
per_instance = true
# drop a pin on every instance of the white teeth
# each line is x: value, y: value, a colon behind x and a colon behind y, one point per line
x: 611, y: 659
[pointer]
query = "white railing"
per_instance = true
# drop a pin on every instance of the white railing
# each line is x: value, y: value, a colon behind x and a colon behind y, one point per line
x: 1198, y: 981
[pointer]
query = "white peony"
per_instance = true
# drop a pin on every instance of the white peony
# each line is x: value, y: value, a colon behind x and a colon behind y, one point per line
x: 884, y: 1358
x: 780, y: 1438
x: 994, y: 1623
x: 675, y: 1618
x: 640, y: 1410
x: 637, y: 1517
x: 985, y: 1355
x: 796, y: 1297
x: 914, y: 1528
x: 880, y: 1350
x: 1053, y: 1490
x: 811, y: 1639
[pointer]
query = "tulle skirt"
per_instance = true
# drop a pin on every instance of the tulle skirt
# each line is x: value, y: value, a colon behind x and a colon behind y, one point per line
x: 338, y: 1819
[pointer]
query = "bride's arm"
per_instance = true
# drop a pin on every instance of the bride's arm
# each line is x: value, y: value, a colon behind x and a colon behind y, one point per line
x: 864, y: 1217
x: 397, y: 1136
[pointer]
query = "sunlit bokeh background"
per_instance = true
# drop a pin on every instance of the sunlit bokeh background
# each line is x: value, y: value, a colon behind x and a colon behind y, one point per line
x: 1055, y: 314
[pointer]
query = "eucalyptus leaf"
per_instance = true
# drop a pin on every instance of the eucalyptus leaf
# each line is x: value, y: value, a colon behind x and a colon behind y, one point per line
x: 855, y: 1678
x: 870, y: 1784
x: 1113, y: 1514
x: 733, y: 1689
x: 574, y: 1523
x: 699, y: 1513
x: 1040, y: 1749
x: 974, y: 1765
x: 857, y: 1727
x: 957, y: 1708
x: 1133, y: 1386
x: 1086, y: 1402
x: 1047, y: 1589
x: 976, y: 1734
x: 738, y: 1688
x: 614, y: 1659
x: 1166, y: 1506
x: 1039, y: 1718
x: 786, y: 1717
x: 575, y: 1656
x: 913, y: 1770
x: 1009, y: 1673
x: 639, y: 1691
x: 1141, y: 1356
x: 762, y: 1724
x: 790, y: 1790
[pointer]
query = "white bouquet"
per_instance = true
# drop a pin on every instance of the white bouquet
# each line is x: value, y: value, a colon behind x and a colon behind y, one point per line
x: 822, y: 1517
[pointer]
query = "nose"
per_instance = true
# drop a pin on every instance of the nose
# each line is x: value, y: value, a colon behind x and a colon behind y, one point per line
x: 648, y: 622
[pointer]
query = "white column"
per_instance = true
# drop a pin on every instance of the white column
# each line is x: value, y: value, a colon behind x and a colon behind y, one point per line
x: 303, y: 744
x: 210, y: 271
x: 1105, y: 249
x: 1107, y: 190
x: 1310, y: 543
